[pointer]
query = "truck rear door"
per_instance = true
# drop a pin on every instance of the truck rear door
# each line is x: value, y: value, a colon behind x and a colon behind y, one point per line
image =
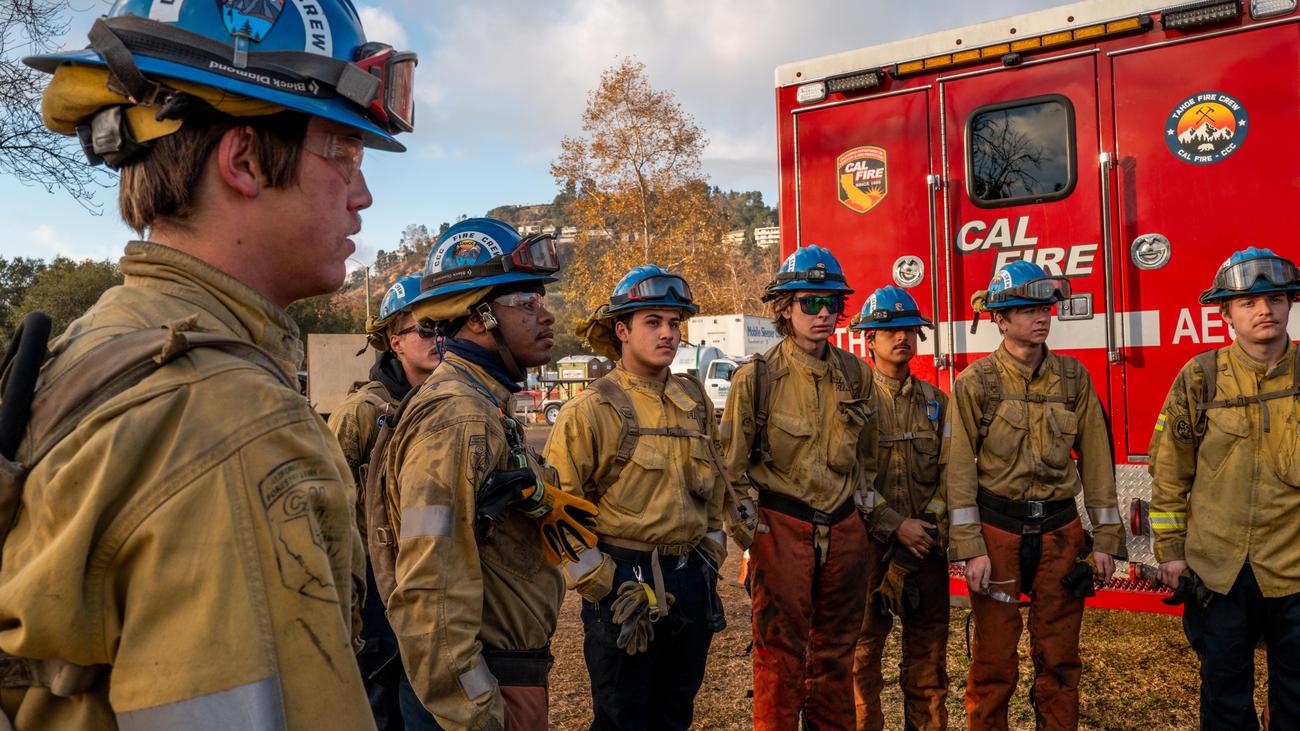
x: 1207, y: 163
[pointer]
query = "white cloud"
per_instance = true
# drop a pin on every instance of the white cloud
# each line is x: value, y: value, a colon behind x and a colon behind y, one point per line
x: 382, y: 26
x: 49, y: 243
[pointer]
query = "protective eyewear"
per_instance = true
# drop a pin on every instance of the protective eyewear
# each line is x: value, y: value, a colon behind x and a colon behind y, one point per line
x: 535, y: 254
x: 1242, y: 276
x: 343, y: 152
x: 1046, y: 289
x: 393, y: 105
x: 655, y: 288
x: 425, y: 333
x: 813, y: 304
x: 529, y: 302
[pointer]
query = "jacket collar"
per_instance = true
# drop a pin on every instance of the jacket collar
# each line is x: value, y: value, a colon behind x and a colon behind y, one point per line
x: 477, y: 377
x: 670, y: 389
x: 1262, y: 370
x: 1010, y: 363
x: 796, y: 355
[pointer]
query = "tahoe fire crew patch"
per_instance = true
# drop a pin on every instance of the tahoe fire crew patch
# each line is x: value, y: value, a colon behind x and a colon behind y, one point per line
x: 293, y: 495
x: 1206, y: 128
x: 863, y: 176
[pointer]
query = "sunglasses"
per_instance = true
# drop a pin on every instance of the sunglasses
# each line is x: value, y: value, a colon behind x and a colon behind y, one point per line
x: 345, y: 153
x: 425, y: 333
x: 813, y: 305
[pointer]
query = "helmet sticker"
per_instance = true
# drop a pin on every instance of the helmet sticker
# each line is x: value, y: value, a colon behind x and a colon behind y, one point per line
x: 862, y: 173
x: 1004, y: 277
x: 398, y: 290
x: 1206, y: 128
x: 319, y: 38
x: 251, y: 19
x: 465, y: 249
x: 165, y: 11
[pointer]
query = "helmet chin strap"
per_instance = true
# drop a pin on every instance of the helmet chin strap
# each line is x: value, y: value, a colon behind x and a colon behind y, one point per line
x: 484, y: 312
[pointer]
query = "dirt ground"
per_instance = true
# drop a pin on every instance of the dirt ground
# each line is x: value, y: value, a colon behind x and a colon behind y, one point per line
x: 1139, y: 672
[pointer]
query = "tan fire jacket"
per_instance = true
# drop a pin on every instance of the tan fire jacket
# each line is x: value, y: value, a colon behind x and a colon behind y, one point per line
x: 1236, y: 497
x: 355, y: 424
x: 823, y: 438
x: 456, y: 596
x: 1027, y: 453
x: 195, y: 533
x: 912, y: 419
x: 669, y: 493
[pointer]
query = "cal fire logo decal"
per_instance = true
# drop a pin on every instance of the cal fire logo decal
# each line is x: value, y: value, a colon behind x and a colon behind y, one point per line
x: 863, y: 176
x: 1206, y: 128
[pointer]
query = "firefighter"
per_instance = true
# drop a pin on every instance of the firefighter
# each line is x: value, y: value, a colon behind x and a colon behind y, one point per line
x: 800, y: 429
x: 907, y: 565
x: 660, y: 498
x: 1021, y: 412
x: 472, y: 589
x: 408, y: 353
x: 1225, y: 468
x: 185, y: 553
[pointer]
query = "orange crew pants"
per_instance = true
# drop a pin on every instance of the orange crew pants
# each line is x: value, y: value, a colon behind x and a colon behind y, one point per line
x: 806, y: 583
x: 1055, y: 616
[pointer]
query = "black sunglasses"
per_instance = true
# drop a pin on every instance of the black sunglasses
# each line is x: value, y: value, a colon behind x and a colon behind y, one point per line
x: 424, y: 332
x: 813, y: 304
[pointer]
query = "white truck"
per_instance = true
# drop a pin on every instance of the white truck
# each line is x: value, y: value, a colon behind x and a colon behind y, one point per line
x: 739, y: 336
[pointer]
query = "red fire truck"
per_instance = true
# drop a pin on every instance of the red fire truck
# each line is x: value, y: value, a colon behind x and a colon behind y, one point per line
x: 1128, y: 146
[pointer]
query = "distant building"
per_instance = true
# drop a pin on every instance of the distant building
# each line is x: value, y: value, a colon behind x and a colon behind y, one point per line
x: 568, y: 235
x: 767, y: 237
x: 734, y: 238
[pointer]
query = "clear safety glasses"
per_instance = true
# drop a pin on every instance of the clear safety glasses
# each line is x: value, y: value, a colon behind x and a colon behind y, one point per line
x: 344, y: 152
x: 529, y: 302
x: 655, y: 288
x: 393, y: 106
x: 1047, y: 289
x: 814, y: 304
x: 1242, y: 276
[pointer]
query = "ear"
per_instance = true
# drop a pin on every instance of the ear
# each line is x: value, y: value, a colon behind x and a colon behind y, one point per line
x: 475, y: 325
x: 237, y: 162
x: 622, y: 331
x: 395, y: 344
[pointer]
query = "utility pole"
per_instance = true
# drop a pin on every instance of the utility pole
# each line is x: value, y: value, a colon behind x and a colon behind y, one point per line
x: 367, y: 268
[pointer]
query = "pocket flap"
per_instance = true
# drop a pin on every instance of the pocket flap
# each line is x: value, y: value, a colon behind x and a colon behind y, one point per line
x: 1013, y: 412
x: 1230, y: 421
x: 926, y: 443
x: 796, y: 426
x: 647, y: 457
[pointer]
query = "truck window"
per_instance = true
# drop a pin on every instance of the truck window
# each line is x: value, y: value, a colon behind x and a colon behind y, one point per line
x: 722, y: 370
x: 1020, y: 151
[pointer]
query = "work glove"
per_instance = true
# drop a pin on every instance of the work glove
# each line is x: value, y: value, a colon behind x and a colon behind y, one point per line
x: 598, y: 332
x: 743, y: 529
x: 1079, y: 579
x: 1191, y: 592
x: 632, y: 611
x: 500, y: 490
x: 595, y: 584
x: 898, y: 593
x: 567, y: 522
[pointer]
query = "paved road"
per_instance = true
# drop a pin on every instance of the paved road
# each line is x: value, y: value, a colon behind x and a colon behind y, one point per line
x: 536, y: 435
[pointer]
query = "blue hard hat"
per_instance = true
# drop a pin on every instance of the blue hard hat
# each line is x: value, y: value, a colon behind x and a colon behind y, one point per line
x: 650, y: 287
x: 1023, y: 283
x: 399, y: 296
x: 809, y: 268
x: 889, y: 308
x: 1252, y: 271
x: 301, y: 55
x: 486, y: 252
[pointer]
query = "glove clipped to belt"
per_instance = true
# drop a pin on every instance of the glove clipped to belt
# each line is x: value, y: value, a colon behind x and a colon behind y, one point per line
x: 898, y: 592
x: 1191, y: 592
x: 744, y: 523
x: 635, y: 610
x: 1079, y: 579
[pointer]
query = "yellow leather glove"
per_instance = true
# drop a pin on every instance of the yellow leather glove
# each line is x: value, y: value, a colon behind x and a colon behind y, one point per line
x: 567, y: 522
x: 897, y: 593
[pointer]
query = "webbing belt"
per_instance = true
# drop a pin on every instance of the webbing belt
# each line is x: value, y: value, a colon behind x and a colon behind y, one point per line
x: 1030, y: 519
x: 800, y: 510
x: 906, y: 436
x: 519, y: 668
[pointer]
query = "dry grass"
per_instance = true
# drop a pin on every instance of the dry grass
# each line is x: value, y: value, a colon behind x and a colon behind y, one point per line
x: 1139, y: 672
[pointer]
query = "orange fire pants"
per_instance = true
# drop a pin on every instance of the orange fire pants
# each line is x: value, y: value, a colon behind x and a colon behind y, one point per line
x: 1054, y: 620
x: 806, y: 584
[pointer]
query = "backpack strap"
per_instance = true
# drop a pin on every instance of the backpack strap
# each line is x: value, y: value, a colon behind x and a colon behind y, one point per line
x: 991, y: 397
x: 762, y: 398
x: 703, y: 411
x: 381, y: 537
x: 850, y: 365
x: 1208, y: 363
x: 1070, y: 374
x: 628, y: 434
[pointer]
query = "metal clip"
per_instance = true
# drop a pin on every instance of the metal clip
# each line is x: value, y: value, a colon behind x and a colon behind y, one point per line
x: 1036, y: 508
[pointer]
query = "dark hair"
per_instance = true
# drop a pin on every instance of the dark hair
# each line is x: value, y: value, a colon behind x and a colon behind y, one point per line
x: 626, y: 319
x: 777, y: 306
x: 164, y: 182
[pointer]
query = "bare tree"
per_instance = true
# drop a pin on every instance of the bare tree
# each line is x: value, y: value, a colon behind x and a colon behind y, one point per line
x: 29, y: 152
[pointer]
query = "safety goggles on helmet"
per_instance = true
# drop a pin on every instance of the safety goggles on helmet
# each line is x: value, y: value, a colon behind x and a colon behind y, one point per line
x: 393, y: 105
x: 653, y: 289
x: 813, y: 304
x: 536, y: 254
x: 1241, y: 276
x: 1046, y: 289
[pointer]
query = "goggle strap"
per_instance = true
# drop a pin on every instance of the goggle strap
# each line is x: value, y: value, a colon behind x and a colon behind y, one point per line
x: 782, y: 277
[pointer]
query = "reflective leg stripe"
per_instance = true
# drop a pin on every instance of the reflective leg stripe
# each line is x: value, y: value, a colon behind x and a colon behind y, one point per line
x: 426, y: 520
x: 477, y: 681
x: 936, y: 506
x: 588, y: 561
x: 1104, y: 516
x: 1169, y: 521
x: 253, y: 707
x: 964, y: 516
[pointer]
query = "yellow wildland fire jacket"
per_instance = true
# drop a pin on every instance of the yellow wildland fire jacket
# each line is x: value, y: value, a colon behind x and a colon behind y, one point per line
x: 193, y: 539
x: 1225, y: 478
x: 911, y: 418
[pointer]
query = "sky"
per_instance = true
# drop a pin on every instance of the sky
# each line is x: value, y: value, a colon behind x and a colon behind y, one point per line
x: 501, y: 82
